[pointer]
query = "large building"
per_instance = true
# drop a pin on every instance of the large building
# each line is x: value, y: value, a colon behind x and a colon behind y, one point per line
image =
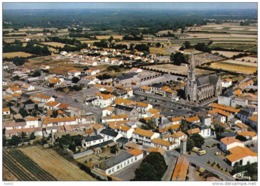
x: 201, y: 88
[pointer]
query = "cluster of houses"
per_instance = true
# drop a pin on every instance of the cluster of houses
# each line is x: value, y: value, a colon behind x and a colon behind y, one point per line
x: 94, y: 56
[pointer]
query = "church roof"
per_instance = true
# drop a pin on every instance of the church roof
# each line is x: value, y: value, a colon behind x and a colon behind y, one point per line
x: 207, y: 80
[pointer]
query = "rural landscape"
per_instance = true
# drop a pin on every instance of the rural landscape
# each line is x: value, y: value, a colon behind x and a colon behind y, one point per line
x: 129, y: 94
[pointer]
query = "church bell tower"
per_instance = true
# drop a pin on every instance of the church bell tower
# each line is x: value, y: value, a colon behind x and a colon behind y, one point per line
x: 191, y: 86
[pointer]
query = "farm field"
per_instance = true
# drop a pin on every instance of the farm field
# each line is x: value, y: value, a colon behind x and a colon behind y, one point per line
x: 54, y: 44
x: 108, y: 36
x: 23, y: 168
x: 245, y: 69
x: 155, y: 50
x: 176, y: 69
x: 226, y: 53
x: 16, y: 54
x: 56, y: 165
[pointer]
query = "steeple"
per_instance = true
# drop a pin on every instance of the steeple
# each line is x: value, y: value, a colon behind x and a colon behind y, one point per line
x: 191, y: 87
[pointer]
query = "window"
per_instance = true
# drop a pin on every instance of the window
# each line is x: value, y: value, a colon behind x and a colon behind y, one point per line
x: 118, y: 167
x: 109, y: 171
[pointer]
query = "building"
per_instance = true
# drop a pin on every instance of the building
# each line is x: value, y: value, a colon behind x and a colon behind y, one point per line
x: 201, y: 88
x: 144, y: 136
x: 181, y: 169
x: 6, y: 111
x: 91, y: 141
x: 120, y: 161
x: 109, y: 134
x: 229, y: 143
x: 241, y: 156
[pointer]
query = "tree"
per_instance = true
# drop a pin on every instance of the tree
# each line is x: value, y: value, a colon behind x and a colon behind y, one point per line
x: 146, y: 172
x: 187, y: 45
x: 23, y: 135
x: 18, y: 61
x: 32, y: 136
x: 15, y: 140
x: 152, y: 168
x: 178, y: 58
x: 36, y: 73
x: 110, y: 39
x: 198, y: 140
x: 158, y: 45
x: 190, y: 144
x: 4, y: 140
x: 23, y: 112
x: 75, y: 80
x: 114, y: 149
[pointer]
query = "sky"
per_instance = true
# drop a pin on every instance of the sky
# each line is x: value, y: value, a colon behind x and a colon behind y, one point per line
x: 140, y: 5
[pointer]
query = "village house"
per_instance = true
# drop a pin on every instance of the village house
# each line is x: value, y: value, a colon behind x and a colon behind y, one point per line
x: 45, y: 67
x: 103, y: 100
x: 241, y: 156
x: 165, y: 145
x: 244, y: 114
x: 144, y: 136
x: 6, y: 111
x: 52, y: 105
x: 177, y: 137
x: 192, y: 120
x: 14, y: 90
x: 225, y: 83
x: 50, y: 122
x: 125, y: 131
x: 92, y: 72
x: 32, y: 122
x: 145, y: 89
x: 91, y: 141
x: 74, y: 73
x: 27, y: 87
x: 225, y: 108
x: 130, y: 111
x: 109, y: 134
x: 249, y: 135
x: 115, y: 118
x: 181, y: 169
x: 229, y: 143
x: 120, y: 161
x: 42, y: 98
x: 107, y: 111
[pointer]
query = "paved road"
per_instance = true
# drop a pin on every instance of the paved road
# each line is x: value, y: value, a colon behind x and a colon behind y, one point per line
x: 203, y: 164
x: 128, y: 173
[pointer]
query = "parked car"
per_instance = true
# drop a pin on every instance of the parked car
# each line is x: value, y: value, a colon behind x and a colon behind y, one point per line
x: 218, y: 153
x: 202, y: 152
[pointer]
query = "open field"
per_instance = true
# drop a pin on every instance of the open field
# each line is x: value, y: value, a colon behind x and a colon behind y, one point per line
x: 155, y: 50
x: 89, y: 41
x: 16, y: 54
x: 108, y: 36
x: 248, y: 59
x: 226, y: 53
x: 240, y: 62
x: 176, y: 69
x: 53, y: 44
x: 245, y: 69
x: 56, y: 165
x: 23, y: 168
x: 236, y: 46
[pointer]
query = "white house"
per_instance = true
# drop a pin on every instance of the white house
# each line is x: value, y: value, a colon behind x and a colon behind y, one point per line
x: 241, y: 156
x: 6, y: 111
x: 91, y: 141
x: 229, y: 143
x: 125, y: 131
x: 120, y: 161
x: 92, y: 72
x: 63, y: 53
x: 42, y: 98
x: 226, y: 83
x: 109, y: 134
x: 250, y: 135
x: 103, y: 100
x: 165, y: 145
x: 115, y: 118
x: 52, y: 105
x: 27, y: 87
x: 177, y: 137
x: 144, y: 136
x: 14, y: 90
x: 108, y: 111
x: 32, y: 122
x: 50, y: 122
x: 74, y: 73
x: 45, y: 67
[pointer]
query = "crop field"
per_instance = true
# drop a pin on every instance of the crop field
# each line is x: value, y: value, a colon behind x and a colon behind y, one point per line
x: 56, y: 165
x: 155, y: 50
x: 237, y: 46
x: 23, y: 168
x: 16, y: 54
x: 248, y: 59
x: 54, y: 44
x: 240, y: 68
x: 226, y: 53
x: 176, y: 69
x: 108, y: 36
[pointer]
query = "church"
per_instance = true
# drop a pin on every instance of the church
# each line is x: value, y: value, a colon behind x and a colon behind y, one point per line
x: 201, y: 88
